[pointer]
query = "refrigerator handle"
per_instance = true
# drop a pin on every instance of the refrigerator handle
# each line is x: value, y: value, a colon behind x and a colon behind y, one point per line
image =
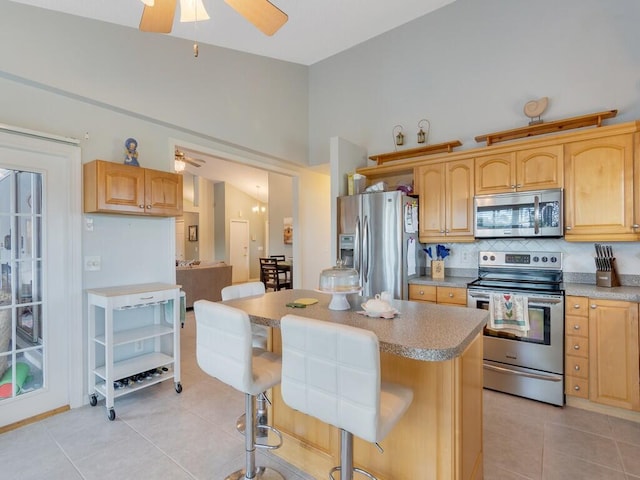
x: 356, y: 247
x: 365, y: 251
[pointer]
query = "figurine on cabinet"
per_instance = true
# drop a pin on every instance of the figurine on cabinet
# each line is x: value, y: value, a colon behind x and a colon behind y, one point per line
x: 131, y: 156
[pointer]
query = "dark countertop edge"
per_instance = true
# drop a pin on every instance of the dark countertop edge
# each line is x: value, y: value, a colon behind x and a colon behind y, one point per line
x: 443, y: 282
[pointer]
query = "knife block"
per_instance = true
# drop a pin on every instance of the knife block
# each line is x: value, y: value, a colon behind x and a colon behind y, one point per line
x: 437, y: 268
x: 608, y: 278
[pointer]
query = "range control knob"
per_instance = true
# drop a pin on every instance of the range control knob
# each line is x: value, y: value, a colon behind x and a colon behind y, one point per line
x: 544, y: 259
x: 493, y: 258
x: 536, y: 259
x: 485, y: 258
x: 554, y: 259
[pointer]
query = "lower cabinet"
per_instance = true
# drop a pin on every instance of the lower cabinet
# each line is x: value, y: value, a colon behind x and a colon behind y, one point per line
x: 438, y: 294
x: 602, y: 352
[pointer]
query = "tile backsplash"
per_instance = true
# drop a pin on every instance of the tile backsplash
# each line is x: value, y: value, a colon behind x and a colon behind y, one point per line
x: 578, y: 257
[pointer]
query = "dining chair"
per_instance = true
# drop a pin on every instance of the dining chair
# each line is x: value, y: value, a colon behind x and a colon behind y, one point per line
x: 273, y: 275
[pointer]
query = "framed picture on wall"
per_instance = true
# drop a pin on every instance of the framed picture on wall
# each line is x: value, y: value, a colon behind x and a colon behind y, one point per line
x: 193, y: 233
x: 288, y: 231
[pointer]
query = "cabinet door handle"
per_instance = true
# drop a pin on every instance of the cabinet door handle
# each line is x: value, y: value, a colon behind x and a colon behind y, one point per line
x: 577, y: 306
x: 577, y: 368
x: 450, y: 295
x: 421, y: 292
x: 576, y: 327
x: 576, y: 347
x: 577, y: 388
x: 594, y: 306
x: 149, y: 207
x: 568, y: 227
x: 140, y: 206
x: 635, y: 225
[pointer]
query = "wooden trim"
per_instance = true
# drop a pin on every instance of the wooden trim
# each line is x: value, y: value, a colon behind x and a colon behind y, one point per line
x: 561, y: 138
x: 34, y: 419
x: 549, y: 127
x: 445, y: 147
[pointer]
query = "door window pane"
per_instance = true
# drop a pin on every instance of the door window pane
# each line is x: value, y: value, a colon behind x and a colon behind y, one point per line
x: 22, y: 335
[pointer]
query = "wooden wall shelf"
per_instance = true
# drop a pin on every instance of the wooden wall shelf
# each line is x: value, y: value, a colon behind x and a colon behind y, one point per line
x: 549, y: 127
x: 446, y: 147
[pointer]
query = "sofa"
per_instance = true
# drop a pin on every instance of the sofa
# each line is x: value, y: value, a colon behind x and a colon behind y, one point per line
x: 204, y: 281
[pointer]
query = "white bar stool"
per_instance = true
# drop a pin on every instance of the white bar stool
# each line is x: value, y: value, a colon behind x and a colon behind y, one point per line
x: 332, y: 372
x: 259, y: 336
x: 224, y: 351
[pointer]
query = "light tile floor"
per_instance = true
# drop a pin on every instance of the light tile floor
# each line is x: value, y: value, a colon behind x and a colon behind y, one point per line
x: 159, y: 434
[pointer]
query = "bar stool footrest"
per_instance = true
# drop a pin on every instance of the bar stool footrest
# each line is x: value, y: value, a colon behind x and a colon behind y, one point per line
x: 355, y: 469
x: 262, y: 473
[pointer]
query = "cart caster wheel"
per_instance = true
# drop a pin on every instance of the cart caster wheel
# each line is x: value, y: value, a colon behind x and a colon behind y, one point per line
x: 112, y: 414
x: 93, y: 400
x: 179, y: 387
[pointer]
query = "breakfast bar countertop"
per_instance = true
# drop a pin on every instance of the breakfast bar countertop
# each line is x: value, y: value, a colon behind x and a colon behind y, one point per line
x: 420, y: 331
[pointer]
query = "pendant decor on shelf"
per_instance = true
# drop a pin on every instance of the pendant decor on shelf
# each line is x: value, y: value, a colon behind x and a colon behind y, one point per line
x: 398, y: 136
x: 534, y: 108
x: 423, y: 136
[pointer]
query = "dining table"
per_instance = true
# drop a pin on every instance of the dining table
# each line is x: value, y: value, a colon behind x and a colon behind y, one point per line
x: 434, y: 349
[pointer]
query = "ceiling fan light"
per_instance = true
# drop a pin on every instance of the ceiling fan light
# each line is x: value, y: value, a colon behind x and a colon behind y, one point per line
x: 179, y: 166
x: 148, y: 3
x: 192, y: 11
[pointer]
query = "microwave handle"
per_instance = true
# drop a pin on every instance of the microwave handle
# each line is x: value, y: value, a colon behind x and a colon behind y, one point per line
x: 536, y: 214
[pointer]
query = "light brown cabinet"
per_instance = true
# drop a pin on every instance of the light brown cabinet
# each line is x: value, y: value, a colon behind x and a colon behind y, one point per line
x: 117, y: 188
x: 600, y: 181
x: 601, y: 351
x: 613, y: 353
x: 576, y: 362
x: 522, y: 170
x: 446, y: 201
x: 438, y: 294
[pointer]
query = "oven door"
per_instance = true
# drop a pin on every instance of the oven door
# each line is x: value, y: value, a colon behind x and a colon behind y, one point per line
x: 542, y: 348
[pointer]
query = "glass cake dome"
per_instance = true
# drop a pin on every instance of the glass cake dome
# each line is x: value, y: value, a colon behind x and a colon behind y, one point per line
x: 339, y: 281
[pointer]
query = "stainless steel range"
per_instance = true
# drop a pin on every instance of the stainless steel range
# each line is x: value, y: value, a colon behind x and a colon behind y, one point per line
x: 530, y: 364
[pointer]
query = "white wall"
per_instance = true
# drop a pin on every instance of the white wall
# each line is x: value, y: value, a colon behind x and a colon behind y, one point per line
x: 239, y: 99
x: 470, y: 67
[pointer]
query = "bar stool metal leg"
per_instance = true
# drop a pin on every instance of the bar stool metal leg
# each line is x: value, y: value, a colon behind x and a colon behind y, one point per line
x: 251, y: 472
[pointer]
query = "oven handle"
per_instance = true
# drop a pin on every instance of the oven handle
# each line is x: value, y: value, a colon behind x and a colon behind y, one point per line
x: 522, y: 374
x: 531, y: 300
x: 536, y: 214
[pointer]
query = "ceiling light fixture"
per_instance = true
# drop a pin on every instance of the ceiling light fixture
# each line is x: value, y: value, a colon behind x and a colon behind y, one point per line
x: 192, y: 11
x: 258, y: 207
x: 179, y: 166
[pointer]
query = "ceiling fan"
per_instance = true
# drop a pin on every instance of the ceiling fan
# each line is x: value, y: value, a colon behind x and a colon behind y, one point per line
x: 158, y: 14
x: 181, y: 157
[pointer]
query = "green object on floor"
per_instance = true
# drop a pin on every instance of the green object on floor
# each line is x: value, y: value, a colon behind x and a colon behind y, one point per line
x: 22, y: 372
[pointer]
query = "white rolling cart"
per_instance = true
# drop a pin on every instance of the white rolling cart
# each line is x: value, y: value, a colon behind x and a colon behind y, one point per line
x: 124, y: 343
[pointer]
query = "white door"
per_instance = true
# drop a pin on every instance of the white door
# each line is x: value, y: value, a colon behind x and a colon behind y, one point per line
x: 239, y: 250
x: 40, y: 221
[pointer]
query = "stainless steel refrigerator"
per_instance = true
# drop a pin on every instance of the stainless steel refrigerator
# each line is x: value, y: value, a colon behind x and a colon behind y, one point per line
x: 378, y: 236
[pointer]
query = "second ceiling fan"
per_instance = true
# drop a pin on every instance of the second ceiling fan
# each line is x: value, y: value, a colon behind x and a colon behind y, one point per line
x: 158, y: 14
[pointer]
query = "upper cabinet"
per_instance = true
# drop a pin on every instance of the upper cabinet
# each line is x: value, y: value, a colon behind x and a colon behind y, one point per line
x: 117, y: 188
x: 446, y: 201
x: 522, y: 170
x: 600, y: 180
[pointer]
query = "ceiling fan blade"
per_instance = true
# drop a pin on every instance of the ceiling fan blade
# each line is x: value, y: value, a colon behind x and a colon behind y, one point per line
x: 159, y: 18
x: 263, y: 14
x: 191, y: 162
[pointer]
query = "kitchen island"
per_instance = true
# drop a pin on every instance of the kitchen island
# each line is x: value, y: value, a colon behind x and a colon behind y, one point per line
x: 434, y: 349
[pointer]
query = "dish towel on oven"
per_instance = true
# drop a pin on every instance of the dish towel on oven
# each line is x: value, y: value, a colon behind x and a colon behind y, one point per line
x: 509, y: 312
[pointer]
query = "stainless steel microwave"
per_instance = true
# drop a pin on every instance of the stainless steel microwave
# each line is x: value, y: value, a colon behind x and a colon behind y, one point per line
x: 519, y: 214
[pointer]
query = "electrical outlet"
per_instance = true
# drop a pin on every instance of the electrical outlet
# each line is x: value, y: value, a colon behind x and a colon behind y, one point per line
x: 138, y: 346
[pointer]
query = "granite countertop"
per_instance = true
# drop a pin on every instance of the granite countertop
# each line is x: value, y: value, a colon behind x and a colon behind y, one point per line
x: 625, y: 293
x: 421, y: 331
x: 629, y: 293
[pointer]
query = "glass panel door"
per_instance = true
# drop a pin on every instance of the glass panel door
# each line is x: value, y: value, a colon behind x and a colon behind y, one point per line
x: 22, y: 348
